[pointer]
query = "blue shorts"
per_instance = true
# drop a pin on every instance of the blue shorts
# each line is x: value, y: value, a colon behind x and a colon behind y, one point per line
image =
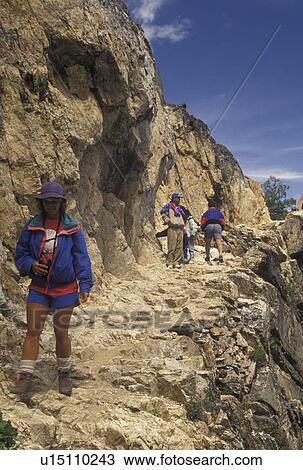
x: 213, y: 231
x: 54, y: 302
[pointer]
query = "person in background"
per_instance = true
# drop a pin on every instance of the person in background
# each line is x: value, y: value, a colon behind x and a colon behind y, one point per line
x: 183, y: 259
x: 192, y: 227
x: 172, y: 215
x: 51, y: 250
x: 190, y: 231
x: 212, y: 223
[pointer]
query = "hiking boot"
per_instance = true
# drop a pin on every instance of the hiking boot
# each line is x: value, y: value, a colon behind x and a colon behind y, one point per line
x: 207, y: 259
x: 65, y: 383
x: 23, y: 384
x: 221, y: 259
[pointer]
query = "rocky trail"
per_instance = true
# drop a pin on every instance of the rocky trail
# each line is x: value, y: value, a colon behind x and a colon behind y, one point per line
x: 203, y: 357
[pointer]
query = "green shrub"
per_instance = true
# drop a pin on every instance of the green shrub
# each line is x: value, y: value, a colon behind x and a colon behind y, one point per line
x: 7, y: 435
x: 157, y: 413
x: 258, y: 355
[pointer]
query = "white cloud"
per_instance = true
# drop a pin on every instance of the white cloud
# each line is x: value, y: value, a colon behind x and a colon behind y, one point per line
x: 174, y: 32
x: 145, y: 11
x: 264, y: 173
x: 297, y: 148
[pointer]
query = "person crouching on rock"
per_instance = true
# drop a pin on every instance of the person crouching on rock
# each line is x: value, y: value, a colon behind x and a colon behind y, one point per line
x: 52, y: 251
x: 173, y: 217
x: 212, y: 223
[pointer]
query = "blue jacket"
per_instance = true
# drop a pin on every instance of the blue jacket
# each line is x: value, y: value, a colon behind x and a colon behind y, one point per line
x: 71, y: 260
x: 212, y: 216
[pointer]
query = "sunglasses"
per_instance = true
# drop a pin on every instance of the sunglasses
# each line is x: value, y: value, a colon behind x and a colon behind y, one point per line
x: 51, y: 201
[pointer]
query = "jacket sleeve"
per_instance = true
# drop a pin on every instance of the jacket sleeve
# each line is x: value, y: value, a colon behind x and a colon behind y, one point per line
x: 81, y: 262
x: 203, y: 221
x: 23, y: 257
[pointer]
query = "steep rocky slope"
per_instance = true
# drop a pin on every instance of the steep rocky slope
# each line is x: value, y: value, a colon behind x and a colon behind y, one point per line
x: 214, y: 363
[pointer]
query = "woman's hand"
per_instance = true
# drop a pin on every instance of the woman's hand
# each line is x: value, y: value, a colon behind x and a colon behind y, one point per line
x: 84, y: 297
x: 40, y: 269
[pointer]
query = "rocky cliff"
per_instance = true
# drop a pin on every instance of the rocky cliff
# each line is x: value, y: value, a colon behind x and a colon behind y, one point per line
x: 218, y: 364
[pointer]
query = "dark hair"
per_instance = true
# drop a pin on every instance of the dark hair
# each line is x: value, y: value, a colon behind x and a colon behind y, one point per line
x: 212, y: 203
x: 42, y: 210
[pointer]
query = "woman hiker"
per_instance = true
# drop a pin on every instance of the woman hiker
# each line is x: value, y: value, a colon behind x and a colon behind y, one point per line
x: 52, y: 251
x: 212, y: 223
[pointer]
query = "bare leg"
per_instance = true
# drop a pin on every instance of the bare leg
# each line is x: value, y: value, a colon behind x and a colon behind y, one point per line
x: 36, y: 315
x: 61, y: 324
x: 63, y: 349
x: 207, y: 247
x: 219, y: 246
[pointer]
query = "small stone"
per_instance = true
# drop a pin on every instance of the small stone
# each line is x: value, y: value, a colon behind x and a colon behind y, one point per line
x: 216, y: 331
x: 241, y: 342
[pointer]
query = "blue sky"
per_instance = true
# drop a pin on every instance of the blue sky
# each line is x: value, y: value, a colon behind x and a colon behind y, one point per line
x: 205, y: 48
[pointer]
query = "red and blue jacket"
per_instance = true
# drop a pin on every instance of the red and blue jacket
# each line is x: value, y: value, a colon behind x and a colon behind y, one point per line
x: 71, y: 261
x: 212, y: 216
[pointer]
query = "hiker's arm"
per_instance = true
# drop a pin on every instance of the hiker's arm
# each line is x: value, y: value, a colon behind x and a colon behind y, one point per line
x: 23, y: 257
x: 81, y: 262
x: 203, y: 222
x: 222, y: 221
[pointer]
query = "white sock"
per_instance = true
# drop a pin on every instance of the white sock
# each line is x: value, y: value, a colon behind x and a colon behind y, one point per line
x: 27, y: 366
x: 64, y: 364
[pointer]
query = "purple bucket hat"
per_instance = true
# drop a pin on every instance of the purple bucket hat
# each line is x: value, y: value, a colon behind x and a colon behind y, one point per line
x: 51, y: 189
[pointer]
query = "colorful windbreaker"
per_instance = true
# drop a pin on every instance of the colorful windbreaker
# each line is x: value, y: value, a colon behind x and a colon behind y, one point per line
x: 212, y: 216
x: 71, y: 261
